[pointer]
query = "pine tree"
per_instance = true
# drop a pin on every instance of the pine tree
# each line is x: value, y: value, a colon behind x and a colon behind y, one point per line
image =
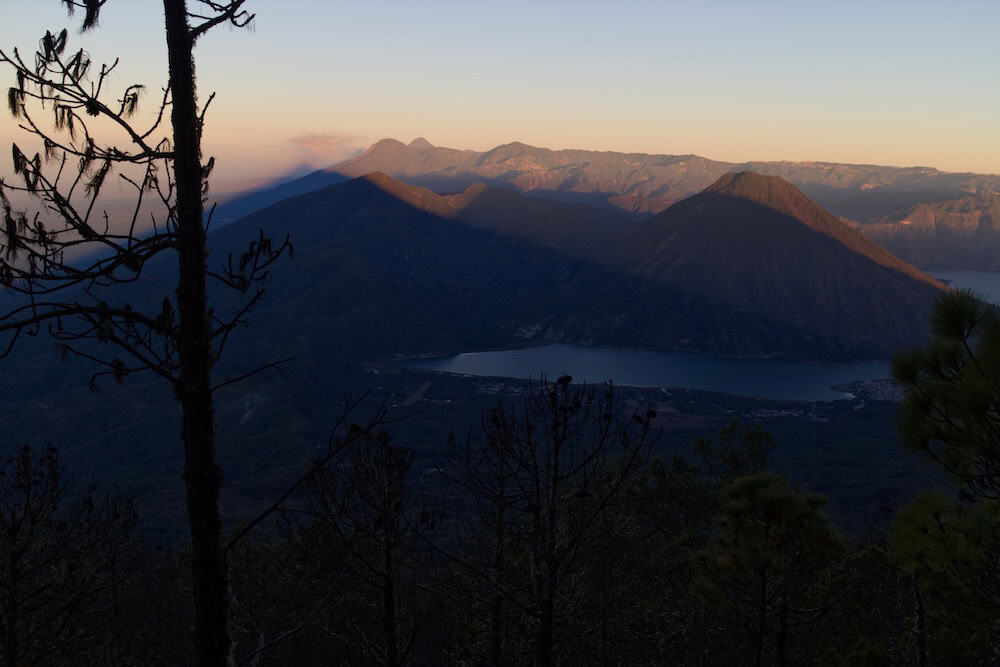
x: 66, y: 260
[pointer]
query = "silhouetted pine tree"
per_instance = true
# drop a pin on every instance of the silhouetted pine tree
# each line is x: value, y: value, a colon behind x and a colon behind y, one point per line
x: 180, y: 338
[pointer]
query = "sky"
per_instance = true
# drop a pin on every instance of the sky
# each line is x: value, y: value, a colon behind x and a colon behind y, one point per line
x: 882, y: 82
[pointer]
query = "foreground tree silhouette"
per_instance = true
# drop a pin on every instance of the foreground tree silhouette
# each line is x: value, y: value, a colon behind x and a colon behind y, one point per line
x: 741, y: 451
x: 79, y: 300
x: 60, y: 558
x: 952, y: 406
x: 952, y: 413
x: 947, y: 554
x: 770, y: 555
x: 543, y: 474
x: 366, y: 503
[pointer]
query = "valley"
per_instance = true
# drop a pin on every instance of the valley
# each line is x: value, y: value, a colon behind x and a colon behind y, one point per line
x: 750, y: 269
x: 846, y: 448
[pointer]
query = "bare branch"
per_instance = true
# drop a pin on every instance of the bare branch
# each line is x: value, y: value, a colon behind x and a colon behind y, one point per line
x: 231, y: 12
x: 336, y: 443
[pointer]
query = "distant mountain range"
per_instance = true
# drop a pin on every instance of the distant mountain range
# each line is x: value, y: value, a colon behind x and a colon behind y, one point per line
x: 882, y: 200
x: 641, y: 183
x: 963, y: 232
x: 385, y: 270
x: 748, y: 267
x: 638, y: 183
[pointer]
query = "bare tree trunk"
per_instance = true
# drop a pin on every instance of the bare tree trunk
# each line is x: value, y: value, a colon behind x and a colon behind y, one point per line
x: 499, y: 565
x: 202, y: 475
x: 544, y: 639
x: 758, y: 658
x: 389, y: 599
x: 781, y: 658
x: 496, y: 631
x: 921, y: 624
x: 10, y: 643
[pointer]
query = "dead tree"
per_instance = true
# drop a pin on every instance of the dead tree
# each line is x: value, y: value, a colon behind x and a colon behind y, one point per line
x: 61, y: 559
x: 366, y: 503
x: 66, y: 260
x: 542, y: 475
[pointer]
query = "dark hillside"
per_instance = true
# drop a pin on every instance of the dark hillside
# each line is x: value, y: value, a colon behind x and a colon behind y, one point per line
x: 386, y: 269
x: 758, y: 244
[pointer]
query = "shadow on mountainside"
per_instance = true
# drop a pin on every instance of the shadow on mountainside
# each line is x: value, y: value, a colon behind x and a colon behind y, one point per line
x: 377, y: 277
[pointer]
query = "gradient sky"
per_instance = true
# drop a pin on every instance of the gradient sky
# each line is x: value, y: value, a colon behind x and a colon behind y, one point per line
x: 902, y: 83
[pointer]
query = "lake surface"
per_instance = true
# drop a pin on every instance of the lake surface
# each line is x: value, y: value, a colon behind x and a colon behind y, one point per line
x: 765, y: 378
x: 986, y: 284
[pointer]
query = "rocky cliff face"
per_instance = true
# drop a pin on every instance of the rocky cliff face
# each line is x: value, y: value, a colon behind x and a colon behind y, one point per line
x: 956, y: 233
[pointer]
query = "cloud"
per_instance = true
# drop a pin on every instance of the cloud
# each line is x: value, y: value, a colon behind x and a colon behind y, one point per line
x: 326, y: 145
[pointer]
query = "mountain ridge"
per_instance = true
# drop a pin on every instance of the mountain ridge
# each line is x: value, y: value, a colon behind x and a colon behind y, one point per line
x: 483, y: 233
x: 648, y: 183
x: 641, y: 184
x: 954, y: 233
x: 759, y: 245
x: 776, y: 193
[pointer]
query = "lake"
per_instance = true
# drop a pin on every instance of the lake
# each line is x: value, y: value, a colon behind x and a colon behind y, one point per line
x: 986, y: 284
x: 765, y: 378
